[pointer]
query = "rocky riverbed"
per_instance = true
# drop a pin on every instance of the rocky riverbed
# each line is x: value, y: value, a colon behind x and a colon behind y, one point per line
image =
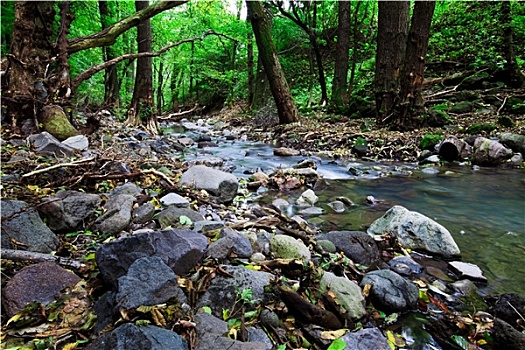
x: 122, y: 240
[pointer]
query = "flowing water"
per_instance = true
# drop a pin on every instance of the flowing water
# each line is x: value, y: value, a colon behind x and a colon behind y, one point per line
x: 484, y: 209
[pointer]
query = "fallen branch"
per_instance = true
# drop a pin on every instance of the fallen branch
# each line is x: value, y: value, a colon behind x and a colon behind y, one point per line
x: 180, y: 114
x: 60, y: 165
x: 35, y: 257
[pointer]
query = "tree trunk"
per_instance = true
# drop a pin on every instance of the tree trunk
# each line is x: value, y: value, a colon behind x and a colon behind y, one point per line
x: 391, y: 43
x: 281, y: 92
x: 339, y: 85
x: 111, y: 84
x: 515, y: 77
x: 408, y: 111
x: 31, y: 52
x: 142, y: 102
x: 160, y: 84
x: 355, y: 40
x: 250, y: 67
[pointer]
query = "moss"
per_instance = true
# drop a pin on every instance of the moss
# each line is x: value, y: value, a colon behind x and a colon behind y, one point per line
x: 429, y: 141
x: 478, y: 128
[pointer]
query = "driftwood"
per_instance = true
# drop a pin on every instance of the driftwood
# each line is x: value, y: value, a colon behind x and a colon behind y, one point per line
x: 35, y: 257
x: 60, y: 165
x: 453, y: 148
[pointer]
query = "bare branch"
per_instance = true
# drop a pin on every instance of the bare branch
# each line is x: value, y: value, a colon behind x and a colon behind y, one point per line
x: 27, y: 256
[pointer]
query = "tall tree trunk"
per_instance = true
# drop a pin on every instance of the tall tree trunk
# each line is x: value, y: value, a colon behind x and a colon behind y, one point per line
x: 339, y: 85
x: 515, y: 77
x: 355, y: 41
x: 391, y: 43
x: 281, y: 92
x: 250, y: 66
x: 31, y: 51
x: 410, y: 106
x: 142, y: 101
x: 160, y: 84
x: 111, y: 84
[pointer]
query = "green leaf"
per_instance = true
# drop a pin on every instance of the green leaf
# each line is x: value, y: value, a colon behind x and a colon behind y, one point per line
x: 462, y: 342
x: 337, y: 344
x: 206, y: 309
x: 184, y: 220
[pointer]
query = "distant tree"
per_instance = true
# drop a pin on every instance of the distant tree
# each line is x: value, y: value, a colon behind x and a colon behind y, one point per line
x: 515, y: 77
x: 111, y: 83
x: 339, y: 84
x: 141, y: 106
x: 281, y: 92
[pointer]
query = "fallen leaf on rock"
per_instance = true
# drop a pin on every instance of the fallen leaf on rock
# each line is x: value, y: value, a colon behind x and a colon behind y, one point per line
x: 331, y: 335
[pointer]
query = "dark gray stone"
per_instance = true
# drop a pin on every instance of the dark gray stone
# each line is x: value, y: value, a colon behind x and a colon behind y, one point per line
x: 506, y: 337
x: 507, y: 306
x: 78, y: 142
x: 204, y: 226
x: 209, y: 324
x: 181, y: 250
x: 357, y: 245
x: 222, y: 292
x: 117, y: 216
x: 149, y: 281
x: 390, y: 292
x: 68, y: 210
x: 365, y: 339
x: 514, y: 141
x: 22, y: 224
x: 144, y: 213
x: 220, y: 184
x: 41, y: 282
x: 170, y: 217
x: 131, y: 337
x: 230, y: 241
x: 45, y: 143
x: 128, y: 188
x: 106, y: 311
x: 405, y: 265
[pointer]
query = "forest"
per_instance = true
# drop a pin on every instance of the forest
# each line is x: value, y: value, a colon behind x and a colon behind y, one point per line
x: 193, y: 174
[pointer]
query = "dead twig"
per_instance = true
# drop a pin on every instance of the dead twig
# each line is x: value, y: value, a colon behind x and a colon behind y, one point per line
x: 60, y: 165
x: 502, y: 105
x: 35, y: 257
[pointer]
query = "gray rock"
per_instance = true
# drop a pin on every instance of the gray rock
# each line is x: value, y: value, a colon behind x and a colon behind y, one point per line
x: 209, y: 324
x: 128, y: 188
x: 204, y: 226
x: 45, y: 143
x: 506, y: 307
x: 22, y: 224
x: 181, y: 250
x: 464, y: 287
x: 285, y: 152
x: 287, y: 247
x: 68, y: 210
x: 269, y: 318
x: 365, y: 339
x: 149, y: 281
x: 307, y: 198
x: 131, y: 337
x: 390, y: 292
x: 507, y: 337
x: 337, y: 206
x: 415, y: 231
x: 143, y: 214
x: 489, y: 153
x: 514, y: 141
x: 326, y: 245
x: 213, y: 341
x: 106, y: 311
x: 516, y: 159
x: 116, y: 167
x: 117, y: 216
x: 356, y: 245
x: 220, y: 184
x: 311, y: 211
x: 175, y: 200
x: 257, y: 335
x: 405, y: 265
x: 78, y: 142
x: 348, y: 295
x: 223, y: 290
x: 230, y: 241
x: 41, y: 282
x: 467, y: 270
x: 170, y: 217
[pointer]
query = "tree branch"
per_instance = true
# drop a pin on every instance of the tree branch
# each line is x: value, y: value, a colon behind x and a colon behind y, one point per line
x: 24, y: 255
x: 108, y: 36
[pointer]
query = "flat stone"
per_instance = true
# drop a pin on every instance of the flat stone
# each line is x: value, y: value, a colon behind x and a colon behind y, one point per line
x: 45, y: 143
x: 220, y: 184
x: 286, y: 152
x: 467, y: 270
x: 78, y: 142
x: 175, y: 200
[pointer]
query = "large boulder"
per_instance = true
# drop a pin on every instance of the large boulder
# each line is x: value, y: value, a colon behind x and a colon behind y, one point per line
x: 41, y: 282
x: 67, y: 210
x: 489, y: 153
x: 220, y: 184
x: 181, y: 250
x: 21, y: 223
x: 55, y: 121
x: 415, y: 231
x: 514, y: 141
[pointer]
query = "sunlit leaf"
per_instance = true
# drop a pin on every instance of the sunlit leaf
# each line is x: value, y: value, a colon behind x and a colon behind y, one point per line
x: 337, y: 344
x: 206, y: 309
x: 331, y: 335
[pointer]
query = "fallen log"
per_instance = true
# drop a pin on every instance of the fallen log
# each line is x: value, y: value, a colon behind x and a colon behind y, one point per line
x: 35, y: 257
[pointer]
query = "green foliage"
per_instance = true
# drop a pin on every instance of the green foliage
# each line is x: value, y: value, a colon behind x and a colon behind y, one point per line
x: 7, y: 8
x: 429, y: 141
x: 478, y: 128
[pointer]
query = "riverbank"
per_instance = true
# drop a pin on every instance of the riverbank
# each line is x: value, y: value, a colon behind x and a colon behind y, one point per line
x: 210, y: 253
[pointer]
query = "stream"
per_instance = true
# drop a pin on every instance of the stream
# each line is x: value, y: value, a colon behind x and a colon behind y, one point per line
x: 483, y: 208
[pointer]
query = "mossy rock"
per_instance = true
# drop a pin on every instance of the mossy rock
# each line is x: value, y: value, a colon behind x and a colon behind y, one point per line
x: 429, y: 141
x: 478, y: 128
x: 515, y: 105
x: 461, y: 107
x: 55, y: 121
x: 437, y: 118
